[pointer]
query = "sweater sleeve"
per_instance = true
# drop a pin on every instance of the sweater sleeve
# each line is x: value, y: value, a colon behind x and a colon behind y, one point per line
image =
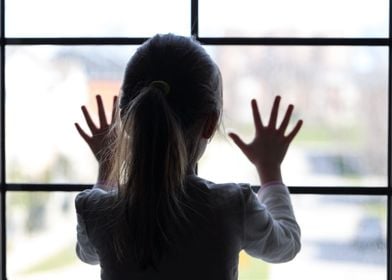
x: 271, y: 232
x: 85, y: 250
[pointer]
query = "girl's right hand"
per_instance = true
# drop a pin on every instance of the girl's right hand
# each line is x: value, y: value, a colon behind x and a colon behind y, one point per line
x: 269, y: 147
x: 101, y: 135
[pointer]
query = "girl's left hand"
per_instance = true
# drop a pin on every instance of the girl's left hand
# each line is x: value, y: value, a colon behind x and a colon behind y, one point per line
x: 101, y: 137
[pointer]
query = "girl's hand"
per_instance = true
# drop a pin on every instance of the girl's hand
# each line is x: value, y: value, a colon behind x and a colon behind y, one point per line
x: 269, y: 147
x: 101, y: 137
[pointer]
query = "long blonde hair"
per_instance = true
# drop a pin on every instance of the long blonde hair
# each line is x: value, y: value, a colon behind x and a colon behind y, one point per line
x: 158, y: 142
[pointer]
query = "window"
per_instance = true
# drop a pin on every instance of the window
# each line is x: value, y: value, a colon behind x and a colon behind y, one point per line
x: 332, y: 59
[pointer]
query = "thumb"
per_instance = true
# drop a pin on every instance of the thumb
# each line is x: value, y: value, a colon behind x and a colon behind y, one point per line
x: 238, y: 141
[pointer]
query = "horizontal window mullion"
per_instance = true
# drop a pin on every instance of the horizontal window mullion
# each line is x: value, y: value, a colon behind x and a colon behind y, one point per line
x: 75, y: 41
x: 297, y: 41
x: 46, y: 187
x: 341, y: 190
x: 204, y: 40
x: 293, y: 189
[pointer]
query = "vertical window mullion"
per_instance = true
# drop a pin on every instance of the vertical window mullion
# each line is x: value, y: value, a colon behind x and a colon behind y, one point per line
x: 2, y: 165
x: 195, y: 29
x: 2, y: 146
x: 389, y: 200
x: 195, y: 18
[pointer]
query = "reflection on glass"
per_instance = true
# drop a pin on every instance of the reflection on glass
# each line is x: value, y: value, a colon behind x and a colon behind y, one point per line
x: 114, y: 18
x: 285, y: 18
x: 343, y: 237
x: 339, y: 92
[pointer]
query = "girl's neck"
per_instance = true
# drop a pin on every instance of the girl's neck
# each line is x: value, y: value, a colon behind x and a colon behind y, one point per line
x: 192, y: 170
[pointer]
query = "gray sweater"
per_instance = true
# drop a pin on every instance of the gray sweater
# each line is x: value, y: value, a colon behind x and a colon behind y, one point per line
x: 262, y: 224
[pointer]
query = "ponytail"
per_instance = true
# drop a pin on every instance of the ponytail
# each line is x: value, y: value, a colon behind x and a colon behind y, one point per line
x: 150, y: 167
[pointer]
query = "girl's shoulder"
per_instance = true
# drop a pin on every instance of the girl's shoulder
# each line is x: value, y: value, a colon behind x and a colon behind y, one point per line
x: 93, y: 198
x: 223, y: 187
x: 224, y: 192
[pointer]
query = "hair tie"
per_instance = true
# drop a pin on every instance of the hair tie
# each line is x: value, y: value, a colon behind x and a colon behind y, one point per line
x: 162, y: 85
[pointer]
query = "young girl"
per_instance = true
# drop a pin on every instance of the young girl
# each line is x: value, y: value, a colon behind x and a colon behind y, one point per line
x: 149, y: 216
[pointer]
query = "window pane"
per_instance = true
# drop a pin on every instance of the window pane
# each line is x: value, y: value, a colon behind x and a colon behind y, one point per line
x: 285, y: 18
x: 41, y: 238
x: 46, y: 85
x: 115, y: 18
x: 339, y: 92
x: 343, y: 238
x: 349, y: 242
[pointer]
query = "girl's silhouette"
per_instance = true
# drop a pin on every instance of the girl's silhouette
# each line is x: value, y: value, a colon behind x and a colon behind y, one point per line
x: 149, y: 216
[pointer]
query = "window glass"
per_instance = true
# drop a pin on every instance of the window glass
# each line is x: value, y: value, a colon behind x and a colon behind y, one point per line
x: 41, y: 238
x: 46, y: 86
x: 348, y: 242
x: 285, y: 18
x: 343, y: 237
x: 339, y: 92
x: 96, y: 18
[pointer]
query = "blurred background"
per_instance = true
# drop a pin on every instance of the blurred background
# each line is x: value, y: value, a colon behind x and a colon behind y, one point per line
x: 339, y: 91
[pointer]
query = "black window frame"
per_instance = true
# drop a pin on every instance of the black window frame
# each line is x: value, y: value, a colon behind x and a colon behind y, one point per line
x: 260, y: 41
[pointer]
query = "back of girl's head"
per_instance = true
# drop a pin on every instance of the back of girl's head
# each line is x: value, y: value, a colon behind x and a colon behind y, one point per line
x: 181, y: 62
x: 171, y: 86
